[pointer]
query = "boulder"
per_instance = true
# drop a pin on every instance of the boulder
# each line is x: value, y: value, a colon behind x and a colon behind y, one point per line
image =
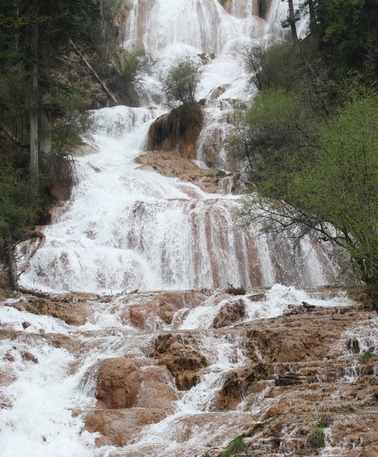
x: 230, y: 313
x: 71, y: 312
x: 160, y: 309
x: 169, y: 163
x: 177, y: 353
x: 117, y: 383
x: 177, y: 131
x: 118, y: 426
x: 156, y: 389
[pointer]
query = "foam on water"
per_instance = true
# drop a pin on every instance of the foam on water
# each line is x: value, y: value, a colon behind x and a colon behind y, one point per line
x: 40, y: 421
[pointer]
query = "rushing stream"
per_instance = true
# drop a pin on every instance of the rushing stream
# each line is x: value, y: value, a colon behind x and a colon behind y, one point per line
x: 128, y: 229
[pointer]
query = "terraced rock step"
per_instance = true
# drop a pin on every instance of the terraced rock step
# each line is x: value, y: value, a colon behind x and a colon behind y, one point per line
x: 304, y: 383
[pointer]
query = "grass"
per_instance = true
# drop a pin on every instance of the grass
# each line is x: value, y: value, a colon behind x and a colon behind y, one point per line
x: 235, y: 447
x: 317, y: 437
x: 365, y: 356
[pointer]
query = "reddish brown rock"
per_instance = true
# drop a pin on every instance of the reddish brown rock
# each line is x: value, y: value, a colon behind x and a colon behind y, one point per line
x: 70, y: 312
x: 117, y: 383
x: 118, y: 426
x: 155, y: 311
x: 156, y: 389
x: 230, y: 313
x: 26, y: 355
x: 177, y: 353
x: 170, y: 164
x: 177, y: 131
x: 220, y: 90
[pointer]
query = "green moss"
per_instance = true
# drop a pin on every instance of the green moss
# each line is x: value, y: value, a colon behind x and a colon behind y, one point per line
x: 235, y: 447
x: 317, y: 437
x: 365, y: 356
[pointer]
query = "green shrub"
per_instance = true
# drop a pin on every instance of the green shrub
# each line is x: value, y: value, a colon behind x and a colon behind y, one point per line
x: 235, y: 447
x: 317, y: 437
x: 365, y: 356
x: 181, y: 82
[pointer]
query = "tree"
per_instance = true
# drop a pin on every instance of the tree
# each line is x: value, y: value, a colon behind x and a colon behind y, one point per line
x: 34, y: 34
x: 348, y: 33
x: 181, y: 82
x: 274, y: 65
x: 335, y: 194
x: 292, y: 19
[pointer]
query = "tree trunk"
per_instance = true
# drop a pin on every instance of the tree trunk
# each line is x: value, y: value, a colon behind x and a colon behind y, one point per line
x: 34, y: 100
x: 313, y: 26
x: 293, y: 26
x: 45, y: 125
x: 111, y: 96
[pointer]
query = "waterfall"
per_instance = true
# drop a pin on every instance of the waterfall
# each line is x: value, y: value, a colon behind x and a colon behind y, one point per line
x: 127, y: 229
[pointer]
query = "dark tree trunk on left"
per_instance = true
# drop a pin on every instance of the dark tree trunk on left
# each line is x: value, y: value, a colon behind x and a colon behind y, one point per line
x: 293, y: 26
x: 313, y: 25
x: 34, y: 96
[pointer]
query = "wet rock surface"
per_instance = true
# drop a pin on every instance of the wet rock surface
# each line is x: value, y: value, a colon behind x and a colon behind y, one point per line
x: 70, y: 309
x: 170, y: 164
x: 177, y: 131
x: 304, y: 383
x: 117, y: 383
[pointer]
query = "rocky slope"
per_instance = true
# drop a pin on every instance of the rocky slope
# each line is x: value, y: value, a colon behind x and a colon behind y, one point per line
x: 301, y: 384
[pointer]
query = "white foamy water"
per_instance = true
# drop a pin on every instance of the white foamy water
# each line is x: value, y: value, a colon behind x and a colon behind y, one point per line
x: 127, y: 229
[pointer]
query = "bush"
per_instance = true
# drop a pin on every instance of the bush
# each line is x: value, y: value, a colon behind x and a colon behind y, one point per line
x: 274, y: 66
x: 235, y: 447
x: 317, y: 437
x: 181, y: 82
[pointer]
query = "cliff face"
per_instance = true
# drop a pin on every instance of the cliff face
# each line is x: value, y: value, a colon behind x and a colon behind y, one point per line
x: 302, y: 383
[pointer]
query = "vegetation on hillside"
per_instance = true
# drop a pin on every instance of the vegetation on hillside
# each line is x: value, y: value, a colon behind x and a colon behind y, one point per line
x: 310, y: 138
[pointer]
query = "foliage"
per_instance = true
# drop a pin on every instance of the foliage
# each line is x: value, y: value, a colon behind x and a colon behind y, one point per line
x: 23, y: 199
x: 13, y: 109
x: 278, y: 135
x: 181, y: 82
x: 235, y: 290
x: 34, y: 35
x: 235, y: 447
x: 332, y: 188
x: 317, y: 437
x: 309, y: 139
x: 19, y: 201
x: 365, y: 356
x: 126, y: 80
x: 274, y: 65
x: 349, y: 34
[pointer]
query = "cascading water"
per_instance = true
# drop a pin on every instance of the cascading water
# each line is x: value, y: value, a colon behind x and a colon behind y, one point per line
x: 127, y: 229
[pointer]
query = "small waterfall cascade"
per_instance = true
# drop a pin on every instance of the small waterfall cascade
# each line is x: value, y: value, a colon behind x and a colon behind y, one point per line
x: 131, y: 229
